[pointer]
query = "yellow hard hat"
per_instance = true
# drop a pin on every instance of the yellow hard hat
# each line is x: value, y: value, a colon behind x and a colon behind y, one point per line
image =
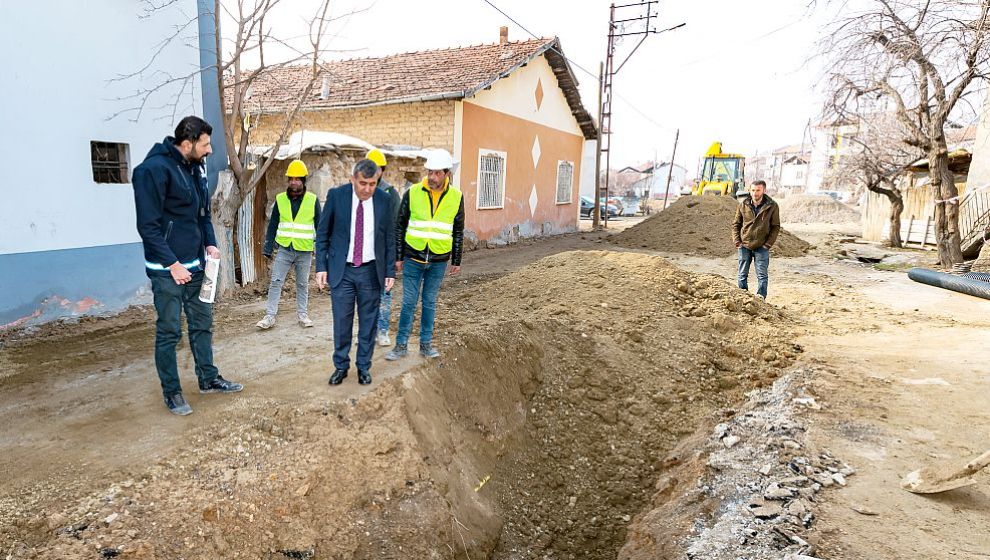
x: 377, y: 156
x: 297, y: 169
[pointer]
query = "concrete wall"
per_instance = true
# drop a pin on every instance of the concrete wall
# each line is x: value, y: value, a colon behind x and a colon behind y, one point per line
x: 424, y: 124
x: 64, y: 237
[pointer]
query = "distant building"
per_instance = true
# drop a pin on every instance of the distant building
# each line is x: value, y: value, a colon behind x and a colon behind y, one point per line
x: 788, y: 168
x: 758, y: 168
x: 793, y: 174
x: 831, y: 142
x: 654, y: 185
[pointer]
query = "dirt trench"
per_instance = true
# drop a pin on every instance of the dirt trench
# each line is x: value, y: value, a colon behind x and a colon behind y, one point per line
x: 540, y: 434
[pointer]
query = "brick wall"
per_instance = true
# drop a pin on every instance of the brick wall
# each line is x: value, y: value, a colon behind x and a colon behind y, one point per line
x: 425, y: 124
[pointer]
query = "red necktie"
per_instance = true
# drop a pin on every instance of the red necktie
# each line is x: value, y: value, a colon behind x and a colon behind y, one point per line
x: 359, y: 235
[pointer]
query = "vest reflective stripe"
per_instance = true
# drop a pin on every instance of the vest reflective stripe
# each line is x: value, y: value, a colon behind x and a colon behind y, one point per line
x: 429, y: 234
x: 189, y: 265
x: 293, y: 225
x: 299, y: 231
x: 431, y: 224
x: 432, y: 230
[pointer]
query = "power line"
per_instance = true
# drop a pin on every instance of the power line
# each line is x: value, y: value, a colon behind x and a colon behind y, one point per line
x: 578, y: 66
x: 750, y: 42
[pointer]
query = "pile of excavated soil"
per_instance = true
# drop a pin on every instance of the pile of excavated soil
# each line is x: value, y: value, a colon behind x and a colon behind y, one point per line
x: 815, y: 209
x: 982, y: 262
x: 540, y: 433
x: 698, y: 225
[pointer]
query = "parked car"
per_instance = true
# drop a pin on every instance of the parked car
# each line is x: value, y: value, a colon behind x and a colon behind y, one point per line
x: 587, y: 205
x: 617, y: 203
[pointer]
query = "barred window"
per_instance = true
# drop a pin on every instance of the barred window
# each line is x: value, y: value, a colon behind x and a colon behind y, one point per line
x: 565, y: 181
x: 491, y: 179
x: 109, y: 160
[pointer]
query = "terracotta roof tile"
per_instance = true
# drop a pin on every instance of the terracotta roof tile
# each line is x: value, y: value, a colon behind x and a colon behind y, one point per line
x: 451, y: 73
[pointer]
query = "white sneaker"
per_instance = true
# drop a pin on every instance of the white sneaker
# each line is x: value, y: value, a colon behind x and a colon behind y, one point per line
x: 304, y: 320
x: 383, y: 339
x: 266, y: 323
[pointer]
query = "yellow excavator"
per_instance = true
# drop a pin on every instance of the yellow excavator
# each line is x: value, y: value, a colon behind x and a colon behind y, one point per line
x: 722, y: 174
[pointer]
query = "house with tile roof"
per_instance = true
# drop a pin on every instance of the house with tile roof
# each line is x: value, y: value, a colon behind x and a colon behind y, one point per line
x: 509, y: 112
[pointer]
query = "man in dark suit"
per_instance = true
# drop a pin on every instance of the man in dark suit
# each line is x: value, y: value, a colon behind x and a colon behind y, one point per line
x: 355, y: 256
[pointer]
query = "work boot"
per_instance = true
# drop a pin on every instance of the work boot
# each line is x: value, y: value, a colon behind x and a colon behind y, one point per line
x: 383, y: 339
x: 221, y: 385
x: 400, y: 351
x: 267, y: 322
x: 428, y: 351
x: 304, y: 320
x: 177, y: 404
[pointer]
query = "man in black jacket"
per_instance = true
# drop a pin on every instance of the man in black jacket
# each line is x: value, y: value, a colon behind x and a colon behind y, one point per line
x: 172, y: 204
x: 430, y: 232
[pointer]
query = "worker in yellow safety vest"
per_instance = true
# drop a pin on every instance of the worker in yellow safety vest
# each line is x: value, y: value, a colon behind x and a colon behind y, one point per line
x: 429, y: 234
x: 292, y: 228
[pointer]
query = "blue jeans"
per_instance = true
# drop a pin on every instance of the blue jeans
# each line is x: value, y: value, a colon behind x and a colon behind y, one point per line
x: 385, y: 311
x: 762, y: 258
x: 287, y: 258
x: 170, y: 300
x: 419, y: 278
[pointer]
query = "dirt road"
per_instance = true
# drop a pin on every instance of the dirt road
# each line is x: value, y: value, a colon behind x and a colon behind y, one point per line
x: 905, y: 381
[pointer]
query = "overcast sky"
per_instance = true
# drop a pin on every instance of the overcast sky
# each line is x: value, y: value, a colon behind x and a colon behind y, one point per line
x: 738, y: 72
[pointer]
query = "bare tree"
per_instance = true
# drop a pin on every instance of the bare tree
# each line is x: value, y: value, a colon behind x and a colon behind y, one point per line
x: 877, y: 160
x: 920, y: 58
x: 242, y: 59
x: 235, y: 82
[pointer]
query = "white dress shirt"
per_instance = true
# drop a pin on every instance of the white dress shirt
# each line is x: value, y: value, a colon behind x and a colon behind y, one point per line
x: 368, y: 251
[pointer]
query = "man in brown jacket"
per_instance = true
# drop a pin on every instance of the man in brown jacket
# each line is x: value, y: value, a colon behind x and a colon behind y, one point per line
x: 754, y: 231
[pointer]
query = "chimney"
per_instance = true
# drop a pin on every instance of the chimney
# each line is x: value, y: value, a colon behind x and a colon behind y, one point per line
x: 503, y: 35
x: 325, y: 88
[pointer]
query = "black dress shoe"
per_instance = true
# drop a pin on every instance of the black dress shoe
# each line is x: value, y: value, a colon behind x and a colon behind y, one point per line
x: 364, y: 377
x: 338, y: 376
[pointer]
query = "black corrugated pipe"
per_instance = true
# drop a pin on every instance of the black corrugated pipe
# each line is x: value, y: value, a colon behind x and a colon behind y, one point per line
x: 960, y: 284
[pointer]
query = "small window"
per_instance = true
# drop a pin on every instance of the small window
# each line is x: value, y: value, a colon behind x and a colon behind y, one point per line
x: 109, y: 162
x: 565, y: 181
x: 491, y: 179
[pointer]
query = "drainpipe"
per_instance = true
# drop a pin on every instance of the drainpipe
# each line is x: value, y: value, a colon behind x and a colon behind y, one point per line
x: 212, y: 108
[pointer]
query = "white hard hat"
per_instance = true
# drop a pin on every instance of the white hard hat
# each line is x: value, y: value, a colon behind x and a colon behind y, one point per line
x: 438, y: 160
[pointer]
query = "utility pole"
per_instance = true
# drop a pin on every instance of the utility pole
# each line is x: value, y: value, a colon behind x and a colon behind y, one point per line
x: 615, y: 32
x: 670, y: 170
x: 595, y: 214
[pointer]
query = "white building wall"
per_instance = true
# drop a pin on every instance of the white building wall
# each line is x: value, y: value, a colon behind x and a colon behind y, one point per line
x: 586, y: 186
x: 979, y: 169
x: 58, y: 60
x: 793, y: 175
